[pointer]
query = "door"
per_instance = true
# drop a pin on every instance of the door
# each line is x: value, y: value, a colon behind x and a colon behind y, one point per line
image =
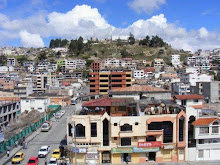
x: 152, y: 156
x: 106, y: 157
x: 167, y: 155
x: 181, y: 154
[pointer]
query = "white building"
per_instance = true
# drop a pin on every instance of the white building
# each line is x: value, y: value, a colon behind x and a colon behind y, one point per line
x: 4, y: 69
x: 138, y: 74
x: 80, y: 64
x: 188, y: 100
x: 71, y: 64
x: 112, y: 62
x: 60, y: 50
x: 191, y: 70
x: 158, y: 62
x: 11, y: 62
x: 192, y: 78
x: 180, y: 88
x: 43, y: 65
x: 38, y: 103
x: 31, y: 68
x: 175, y: 60
x: 207, y: 135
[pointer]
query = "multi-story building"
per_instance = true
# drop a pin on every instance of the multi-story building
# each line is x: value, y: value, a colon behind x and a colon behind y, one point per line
x: 193, y: 78
x: 180, y: 88
x: 80, y: 64
x: 43, y: 81
x: 175, y: 60
x: 113, y: 131
x: 71, y: 64
x: 210, y: 90
x: 10, y: 110
x: 138, y: 74
x: 188, y: 100
x: 11, y: 61
x: 104, y: 80
x: 158, y: 62
x: 97, y: 65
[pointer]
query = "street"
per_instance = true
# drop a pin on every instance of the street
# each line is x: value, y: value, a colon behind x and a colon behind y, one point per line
x: 51, y: 138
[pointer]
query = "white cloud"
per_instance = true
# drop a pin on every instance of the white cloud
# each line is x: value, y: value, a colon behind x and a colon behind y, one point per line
x: 31, y: 40
x: 88, y: 22
x: 147, y: 6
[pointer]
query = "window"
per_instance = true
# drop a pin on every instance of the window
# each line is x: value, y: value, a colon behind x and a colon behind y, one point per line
x: 103, y: 80
x: 92, y: 80
x: 125, y: 141
x: 150, y: 138
x: 200, y: 154
x: 201, y: 141
x: 215, y: 128
x: 116, y: 75
x: 103, y: 85
x: 196, y: 100
x: 93, y: 129
x: 116, y: 85
x: 204, y: 130
x: 70, y: 129
x: 92, y: 85
x: 181, y: 128
x: 116, y: 80
x: 115, y: 124
x: 115, y: 138
x: 80, y: 130
x: 126, y: 127
x: 135, y: 137
x: 92, y: 90
x: 136, y: 123
x: 183, y: 102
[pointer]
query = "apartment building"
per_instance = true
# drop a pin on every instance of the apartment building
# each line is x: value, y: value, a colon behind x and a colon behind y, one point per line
x: 192, y: 78
x: 158, y: 62
x: 210, y: 90
x: 42, y: 82
x: 42, y: 66
x: 11, y: 61
x: 188, y: 100
x: 113, y: 131
x: 179, y: 88
x: 138, y: 74
x: 104, y: 80
x: 175, y: 60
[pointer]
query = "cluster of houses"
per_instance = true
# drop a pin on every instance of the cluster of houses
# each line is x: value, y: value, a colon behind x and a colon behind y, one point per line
x: 135, y: 110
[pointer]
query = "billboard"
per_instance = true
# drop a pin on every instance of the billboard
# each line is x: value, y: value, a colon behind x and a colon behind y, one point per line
x: 149, y: 144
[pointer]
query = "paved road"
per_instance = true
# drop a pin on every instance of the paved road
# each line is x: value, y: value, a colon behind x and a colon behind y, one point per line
x: 51, y: 138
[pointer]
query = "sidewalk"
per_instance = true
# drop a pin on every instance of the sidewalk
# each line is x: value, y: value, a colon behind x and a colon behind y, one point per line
x: 14, y: 150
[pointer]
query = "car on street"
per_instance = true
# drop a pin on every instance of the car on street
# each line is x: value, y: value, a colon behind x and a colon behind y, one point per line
x: 56, y: 154
x: 18, y: 158
x: 44, y: 151
x: 46, y: 126
x: 53, y: 161
x: 58, y: 115
x: 33, y: 161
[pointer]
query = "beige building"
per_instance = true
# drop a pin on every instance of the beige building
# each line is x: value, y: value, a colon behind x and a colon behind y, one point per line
x: 138, y: 139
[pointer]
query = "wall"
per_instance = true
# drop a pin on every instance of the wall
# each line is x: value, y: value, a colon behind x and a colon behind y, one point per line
x: 33, y: 104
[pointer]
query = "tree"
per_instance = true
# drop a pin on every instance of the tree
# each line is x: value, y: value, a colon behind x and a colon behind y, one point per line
x: 73, y: 46
x: 119, y: 43
x: 125, y: 54
x: 3, y: 60
x: 58, y: 54
x: 42, y: 56
x: 131, y: 39
x: 145, y: 41
x: 80, y: 44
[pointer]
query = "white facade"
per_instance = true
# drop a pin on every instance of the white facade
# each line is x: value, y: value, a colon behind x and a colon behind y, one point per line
x: 158, y: 62
x: 192, y: 70
x: 192, y: 78
x: 189, y: 102
x: 29, y: 104
x: 43, y: 65
x: 138, y: 74
x: 11, y: 61
x: 4, y: 69
x: 31, y: 68
x: 60, y: 50
x: 175, y: 60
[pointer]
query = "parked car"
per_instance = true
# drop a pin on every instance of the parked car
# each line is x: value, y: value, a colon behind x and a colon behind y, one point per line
x: 18, y: 158
x: 33, y: 161
x: 58, y: 115
x: 46, y: 126
x: 53, y: 161
x: 56, y: 154
x: 44, y: 150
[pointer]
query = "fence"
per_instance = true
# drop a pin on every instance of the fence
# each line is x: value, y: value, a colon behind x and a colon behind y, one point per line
x: 27, y: 131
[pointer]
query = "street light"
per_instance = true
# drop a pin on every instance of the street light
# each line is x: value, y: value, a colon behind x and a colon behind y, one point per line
x: 45, y: 114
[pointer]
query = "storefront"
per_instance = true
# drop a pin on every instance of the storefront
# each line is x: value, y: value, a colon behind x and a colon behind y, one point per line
x: 168, y: 153
x: 120, y: 155
x: 80, y: 155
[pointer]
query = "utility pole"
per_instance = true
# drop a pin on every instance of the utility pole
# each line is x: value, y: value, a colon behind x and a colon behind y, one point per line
x: 75, y: 142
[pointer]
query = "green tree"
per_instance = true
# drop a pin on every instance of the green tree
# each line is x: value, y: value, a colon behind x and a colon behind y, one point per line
x: 73, y: 46
x: 80, y: 44
x: 131, y: 39
x: 125, y: 54
x: 42, y: 56
x: 22, y: 59
x: 58, y: 54
x: 3, y: 60
x: 119, y: 43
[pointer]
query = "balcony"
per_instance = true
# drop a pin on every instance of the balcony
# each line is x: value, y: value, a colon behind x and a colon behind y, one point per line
x: 208, y: 146
x: 154, y: 132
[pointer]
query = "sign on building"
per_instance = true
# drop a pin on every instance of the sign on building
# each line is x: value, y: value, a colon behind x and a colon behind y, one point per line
x: 149, y: 144
x: 121, y: 150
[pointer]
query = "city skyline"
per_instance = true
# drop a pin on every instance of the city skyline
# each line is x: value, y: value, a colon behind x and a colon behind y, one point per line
x: 185, y: 25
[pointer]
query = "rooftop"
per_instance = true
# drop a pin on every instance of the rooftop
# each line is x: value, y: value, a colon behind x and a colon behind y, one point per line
x: 188, y: 97
x: 204, y: 121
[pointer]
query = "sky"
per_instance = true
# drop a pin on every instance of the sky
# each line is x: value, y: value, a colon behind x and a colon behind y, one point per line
x: 185, y: 24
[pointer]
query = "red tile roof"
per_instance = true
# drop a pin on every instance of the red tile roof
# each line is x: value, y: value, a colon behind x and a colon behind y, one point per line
x: 204, y: 121
x: 139, y: 88
x: 198, y: 106
x: 102, y: 102
x: 187, y: 97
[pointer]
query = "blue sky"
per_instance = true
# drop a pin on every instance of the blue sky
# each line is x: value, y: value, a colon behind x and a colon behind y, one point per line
x: 188, y: 24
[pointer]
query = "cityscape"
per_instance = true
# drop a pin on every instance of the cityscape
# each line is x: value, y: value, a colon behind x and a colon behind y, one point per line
x: 78, y: 88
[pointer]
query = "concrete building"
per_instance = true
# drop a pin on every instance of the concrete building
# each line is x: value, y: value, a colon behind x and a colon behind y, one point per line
x: 104, y: 80
x: 5, y: 69
x: 138, y: 74
x: 188, y: 100
x: 139, y: 92
x: 42, y: 66
x: 175, y: 60
x: 112, y: 134
x: 10, y: 110
x: 11, y: 61
x: 193, y: 78
x: 180, y: 88
x: 158, y: 62
x: 209, y: 90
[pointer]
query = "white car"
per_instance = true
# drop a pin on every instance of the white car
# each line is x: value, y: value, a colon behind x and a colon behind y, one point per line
x: 53, y: 161
x: 44, y: 151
